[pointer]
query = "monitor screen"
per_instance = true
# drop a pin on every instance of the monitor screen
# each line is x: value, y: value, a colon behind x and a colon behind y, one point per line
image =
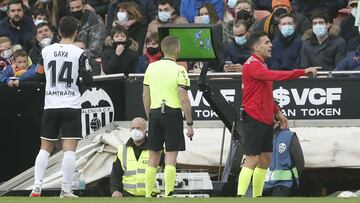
x: 198, y: 42
x: 195, y: 43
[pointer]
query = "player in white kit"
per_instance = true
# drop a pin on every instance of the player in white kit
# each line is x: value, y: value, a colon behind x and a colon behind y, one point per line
x: 61, y: 64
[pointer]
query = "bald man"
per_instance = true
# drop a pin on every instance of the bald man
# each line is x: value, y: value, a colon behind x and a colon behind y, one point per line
x: 128, y: 172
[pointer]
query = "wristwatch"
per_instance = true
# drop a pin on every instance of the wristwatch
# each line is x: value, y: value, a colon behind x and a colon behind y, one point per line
x: 190, y: 124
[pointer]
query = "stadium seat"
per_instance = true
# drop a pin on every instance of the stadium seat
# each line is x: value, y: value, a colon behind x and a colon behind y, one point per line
x: 260, y: 14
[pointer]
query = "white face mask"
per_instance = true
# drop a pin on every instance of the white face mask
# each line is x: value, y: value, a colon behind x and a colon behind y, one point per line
x: 45, y: 42
x: 3, y: 9
x: 6, y: 54
x: 232, y: 3
x: 353, y: 12
x: 319, y: 30
x: 122, y: 16
x: 37, y: 22
x: 164, y: 16
x: 137, y: 135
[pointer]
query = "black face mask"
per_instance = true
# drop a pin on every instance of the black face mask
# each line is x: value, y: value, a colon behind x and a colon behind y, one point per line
x: 77, y: 14
x: 280, y: 11
x: 153, y: 50
x: 243, y: 14
x: 126, y: 43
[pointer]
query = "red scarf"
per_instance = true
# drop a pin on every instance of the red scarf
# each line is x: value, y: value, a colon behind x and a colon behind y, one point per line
x: 153, y: 58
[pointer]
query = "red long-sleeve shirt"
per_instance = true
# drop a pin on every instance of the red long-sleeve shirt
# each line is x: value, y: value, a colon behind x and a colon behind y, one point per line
x: 257, y: 89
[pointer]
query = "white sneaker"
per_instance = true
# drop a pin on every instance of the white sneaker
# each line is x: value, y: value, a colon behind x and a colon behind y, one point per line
x: 64, y: 194
x: 36, y: 192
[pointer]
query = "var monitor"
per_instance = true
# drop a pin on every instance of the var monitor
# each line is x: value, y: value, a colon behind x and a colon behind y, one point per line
x: 199, y: 42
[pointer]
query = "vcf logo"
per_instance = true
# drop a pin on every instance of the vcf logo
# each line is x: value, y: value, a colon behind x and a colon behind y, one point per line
x: 97, y: 110
x: 315, y: 96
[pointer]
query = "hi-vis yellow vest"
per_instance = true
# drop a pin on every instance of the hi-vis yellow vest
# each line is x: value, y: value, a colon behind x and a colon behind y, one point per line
x: 134, y: 170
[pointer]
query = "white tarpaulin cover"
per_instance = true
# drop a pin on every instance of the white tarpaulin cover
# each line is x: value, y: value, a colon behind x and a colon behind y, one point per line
x: 323, y: 147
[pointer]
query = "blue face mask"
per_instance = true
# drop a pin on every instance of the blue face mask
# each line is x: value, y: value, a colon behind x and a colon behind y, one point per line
x: 205, y: 19
x: 240, y: 40
x: 287, y: 30
x: 231, y: 3
x: 164, y: 16
x: 319, y: 30
x: 122, y: 16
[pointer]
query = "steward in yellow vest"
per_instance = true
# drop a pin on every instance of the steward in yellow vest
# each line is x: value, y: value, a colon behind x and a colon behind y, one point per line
x: 128, y: 172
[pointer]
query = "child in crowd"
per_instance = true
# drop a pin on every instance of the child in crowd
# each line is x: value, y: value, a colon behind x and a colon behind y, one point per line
x: 19, y: 70
x: 5, y: 52
x: 120, y: 52
x: 152, y: 53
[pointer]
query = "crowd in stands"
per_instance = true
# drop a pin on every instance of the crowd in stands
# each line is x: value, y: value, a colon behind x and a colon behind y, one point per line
x: 120, y: 36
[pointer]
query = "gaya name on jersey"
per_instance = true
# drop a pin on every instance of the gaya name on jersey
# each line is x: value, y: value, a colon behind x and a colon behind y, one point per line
x: 61, y: 54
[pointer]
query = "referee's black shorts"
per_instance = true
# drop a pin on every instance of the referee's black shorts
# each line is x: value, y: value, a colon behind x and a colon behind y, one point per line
x: 64, y: 120
x: 166, y: 128
x: 258, y: 137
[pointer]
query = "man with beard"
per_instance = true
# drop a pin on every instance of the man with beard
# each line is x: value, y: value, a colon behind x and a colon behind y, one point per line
x: 92, y: 28
x: 270, y: 23
x: 16, y: 26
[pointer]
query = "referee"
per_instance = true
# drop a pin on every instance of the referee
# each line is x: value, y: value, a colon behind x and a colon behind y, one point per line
x: 164, y: 96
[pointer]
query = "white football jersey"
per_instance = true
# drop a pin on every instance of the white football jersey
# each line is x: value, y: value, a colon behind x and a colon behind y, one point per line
x: 61, y: 66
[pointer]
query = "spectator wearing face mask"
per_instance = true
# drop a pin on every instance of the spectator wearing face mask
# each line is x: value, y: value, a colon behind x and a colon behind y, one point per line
x: 189, y: 8
x: 147, y: 8
x: 20, y: 70
x: 207, y: 15
x: 129, y: 16
x: 270, y: 23
x: 286, y: 48
x: 51, y: 7
x: 3, y: 8
x: 130, y: 163
x: 229, y: 10
x: 120, y: 53
x: 236, y: 51
x: 44, y: 37
x: 16, y: 26
x: 322, y: 46
x: 243, y: 10
x: 40, y: 15
x: 5, y: 52
x: 152, y: 53
x: 348, y: 30
x: 91, y: 29
x: 166, y: 15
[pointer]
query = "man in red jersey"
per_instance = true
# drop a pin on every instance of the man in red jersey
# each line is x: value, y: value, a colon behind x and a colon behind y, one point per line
x: 259, y: 111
